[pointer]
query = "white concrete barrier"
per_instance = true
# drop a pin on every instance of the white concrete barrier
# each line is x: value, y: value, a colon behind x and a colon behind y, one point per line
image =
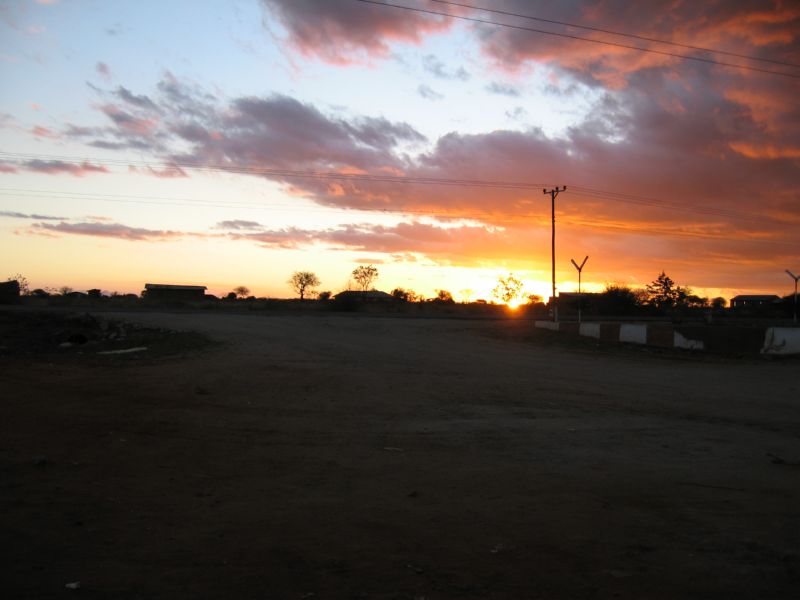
x: 679, y: 341
x: 590, y: 330
x: 633, y: 334
x: 782, y: 340
x: 551, y: 325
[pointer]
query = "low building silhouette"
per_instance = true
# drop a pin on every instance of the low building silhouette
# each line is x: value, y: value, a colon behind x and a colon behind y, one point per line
x: 169, y: 292
x: 754, y: 300
x: 9, y: 292
x: 370, y: 297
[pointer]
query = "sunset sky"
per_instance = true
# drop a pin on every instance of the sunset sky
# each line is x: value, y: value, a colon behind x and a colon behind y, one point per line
x: 172, y: 142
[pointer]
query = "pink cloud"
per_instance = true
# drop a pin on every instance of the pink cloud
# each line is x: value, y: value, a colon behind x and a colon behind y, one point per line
x: 44, y: 132
x: 109, y: 230
x: 103, y: 70
x: 167, y: 172
x: 141, y: 126
x: 342, y: 31
x: 55, y: 167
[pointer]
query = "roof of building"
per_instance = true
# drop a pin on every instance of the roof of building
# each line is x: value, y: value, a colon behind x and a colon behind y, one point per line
x: 371, y: 295
x: 577, y: 295
x: 760, y: 297
x: 168, y: 286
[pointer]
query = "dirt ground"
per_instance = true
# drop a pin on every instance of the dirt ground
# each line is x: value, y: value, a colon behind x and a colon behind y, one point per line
x: 348, y: 456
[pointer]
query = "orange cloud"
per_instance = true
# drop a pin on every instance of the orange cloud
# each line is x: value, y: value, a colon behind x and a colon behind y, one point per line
x: 768, y: 151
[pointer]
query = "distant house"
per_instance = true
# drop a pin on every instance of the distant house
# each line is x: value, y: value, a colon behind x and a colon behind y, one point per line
x: 371, y: 297
x: 754, y: 300
x: 184, y: 293
x: 9, y: 292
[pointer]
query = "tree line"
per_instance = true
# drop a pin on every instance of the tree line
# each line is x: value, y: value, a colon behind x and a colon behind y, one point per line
x: 661, y: 296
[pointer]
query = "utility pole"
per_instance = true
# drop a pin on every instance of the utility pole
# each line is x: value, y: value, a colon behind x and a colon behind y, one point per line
x: 553, y: 193
x: 795, y: 277
x: 580, y: 296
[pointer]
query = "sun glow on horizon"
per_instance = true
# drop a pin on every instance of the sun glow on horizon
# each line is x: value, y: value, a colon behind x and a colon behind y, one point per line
x: 515, y: 303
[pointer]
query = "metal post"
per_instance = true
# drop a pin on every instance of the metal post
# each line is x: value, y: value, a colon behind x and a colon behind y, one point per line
x: 553, y: 193
x: 795, y: 277
x: 580, y: 294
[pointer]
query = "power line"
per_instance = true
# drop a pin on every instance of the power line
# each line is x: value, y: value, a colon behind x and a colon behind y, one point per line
x: 619, y: 33
x: 500, y: 184
x: 464, y: 216
x: 277, y: 173
x: 583, y: 191
x: 188, y: 202
x: 585, y: 39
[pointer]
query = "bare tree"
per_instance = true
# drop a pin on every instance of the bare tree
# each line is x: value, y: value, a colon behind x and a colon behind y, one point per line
x: 364, y: 276
x: 508, y: 289
x: 24, y: 288
x: 241, y: 291
x: 302, y: 282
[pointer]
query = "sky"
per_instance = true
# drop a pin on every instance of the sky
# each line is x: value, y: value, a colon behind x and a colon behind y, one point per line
x: 234, y: 142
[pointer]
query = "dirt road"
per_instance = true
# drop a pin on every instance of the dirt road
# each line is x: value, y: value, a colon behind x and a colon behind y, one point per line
x: 363, y: 457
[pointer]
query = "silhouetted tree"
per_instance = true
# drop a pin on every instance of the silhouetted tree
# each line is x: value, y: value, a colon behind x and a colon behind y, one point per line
x: 400, y: 294
x: 303, y: 281
x: 230, y: 296
x: 508, y: 289
x: 324, y: 296
x: 24, y: 288
x: 241, y: 291
x: 64, y: 290
x: 364, y: 276
x: 719, y: 303
x: 405, y: 295
x: 94, y: 293
x: 444, y: 296
x: 619, y: 299
x: 534, y: 299
x: 691, y: 300
x: 662, y: 292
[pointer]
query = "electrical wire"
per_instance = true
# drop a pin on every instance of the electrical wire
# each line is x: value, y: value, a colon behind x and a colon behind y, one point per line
x: 584, y: 191
x: 585, y: 39
x: 619, y: 33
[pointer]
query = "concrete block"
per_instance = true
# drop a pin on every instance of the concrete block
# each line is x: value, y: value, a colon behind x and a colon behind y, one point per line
x: 590, y: 330
x: 632, y: 333
x: 660, y: 335
x: 782, y: 340
x: 609, y: 332
x: 569, y: 327
x: 679, y: 341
